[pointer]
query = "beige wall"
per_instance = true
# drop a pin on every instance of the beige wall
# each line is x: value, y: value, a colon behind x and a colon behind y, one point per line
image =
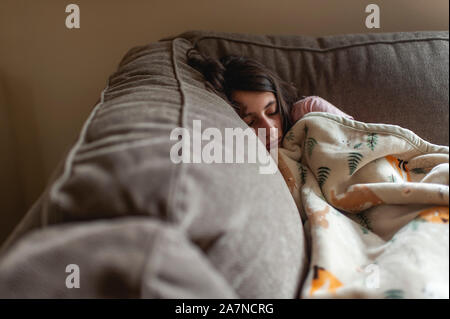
x: 50, y: 76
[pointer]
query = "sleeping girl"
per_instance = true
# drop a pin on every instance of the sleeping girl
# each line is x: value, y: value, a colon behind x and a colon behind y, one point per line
x: 260, y: 97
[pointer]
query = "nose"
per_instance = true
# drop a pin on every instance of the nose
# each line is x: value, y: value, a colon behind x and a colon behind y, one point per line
x: 267, y: 124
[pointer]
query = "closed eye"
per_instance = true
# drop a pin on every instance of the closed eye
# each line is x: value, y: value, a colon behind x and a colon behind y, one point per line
x: 273, y: 113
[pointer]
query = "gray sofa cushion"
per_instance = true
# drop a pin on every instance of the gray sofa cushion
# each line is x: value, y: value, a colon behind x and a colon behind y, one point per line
x: 397, y: 78
x: 246, y: 224
x: 116, y: 258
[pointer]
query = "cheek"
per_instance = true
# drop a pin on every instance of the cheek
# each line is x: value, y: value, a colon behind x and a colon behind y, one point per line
x: 279, y: 122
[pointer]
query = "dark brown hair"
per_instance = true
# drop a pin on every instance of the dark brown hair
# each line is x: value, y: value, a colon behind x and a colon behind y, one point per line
x: 234, y: 72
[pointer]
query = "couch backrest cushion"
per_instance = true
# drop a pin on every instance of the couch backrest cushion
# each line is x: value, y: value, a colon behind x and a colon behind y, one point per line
x: 396, y: 78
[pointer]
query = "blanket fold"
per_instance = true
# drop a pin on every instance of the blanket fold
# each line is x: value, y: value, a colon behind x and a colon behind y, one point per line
x: 374, y: 200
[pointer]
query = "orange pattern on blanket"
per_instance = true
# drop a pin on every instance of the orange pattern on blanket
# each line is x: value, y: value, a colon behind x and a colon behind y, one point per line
x: 323, y: 277
x: 436, y: 214
x: 358, y: 199
x: 400, y: 167
x: 318, y: 217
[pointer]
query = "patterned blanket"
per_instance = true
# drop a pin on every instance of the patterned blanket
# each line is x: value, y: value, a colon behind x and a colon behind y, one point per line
x: 374, y: 202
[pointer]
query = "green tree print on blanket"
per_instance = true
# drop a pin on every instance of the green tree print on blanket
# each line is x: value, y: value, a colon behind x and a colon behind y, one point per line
x: 353, y: 160
x: 372, y: 140
x: 364, y: 230
x: 305, y: 129
x: 416, y: 222
x: 394, y: 294
x: 364, y: 221
x: 310, y: 143
x: 357, y: 146
x: 290, y: 136
x: 322, y: 175
x: 303, y: 173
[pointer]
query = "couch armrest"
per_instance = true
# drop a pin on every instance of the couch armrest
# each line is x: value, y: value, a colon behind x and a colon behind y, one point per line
x: 119, y: 258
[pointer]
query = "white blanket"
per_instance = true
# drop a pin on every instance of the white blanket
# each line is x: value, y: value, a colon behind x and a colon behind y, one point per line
x: 374, y: 200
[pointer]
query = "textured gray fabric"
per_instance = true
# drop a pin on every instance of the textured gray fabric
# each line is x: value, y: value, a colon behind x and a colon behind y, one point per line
x: 396, y: 78
x: 238, y: 227
x: 246, y: 224
x: 118, y: 258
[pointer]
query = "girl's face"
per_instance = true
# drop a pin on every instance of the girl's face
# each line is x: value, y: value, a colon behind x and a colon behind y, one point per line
x: 260, y: 110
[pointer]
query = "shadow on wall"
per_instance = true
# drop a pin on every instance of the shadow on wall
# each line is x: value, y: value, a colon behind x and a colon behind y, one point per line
x: 20, y: 159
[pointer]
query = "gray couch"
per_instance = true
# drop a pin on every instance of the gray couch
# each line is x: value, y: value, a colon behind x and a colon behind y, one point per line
x: 138, y: 225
